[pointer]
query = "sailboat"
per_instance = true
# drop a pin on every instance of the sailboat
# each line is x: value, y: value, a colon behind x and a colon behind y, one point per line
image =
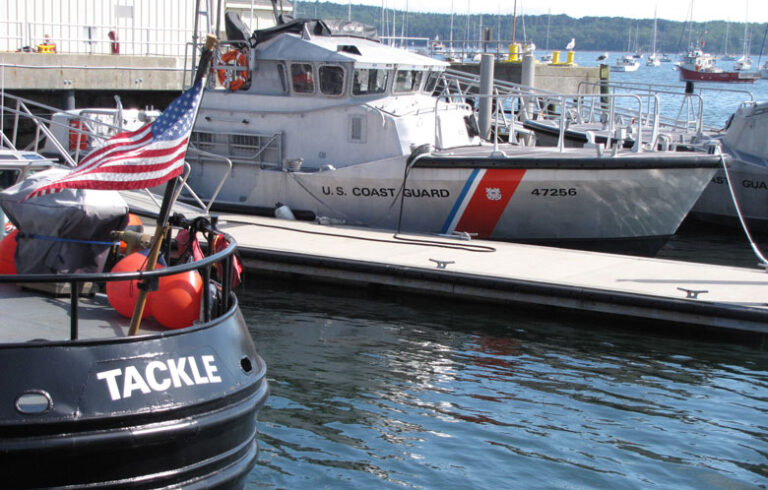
x: 653, y: 58
x: 547, y: 58
x: 745, y: 62
x: 726, y: 56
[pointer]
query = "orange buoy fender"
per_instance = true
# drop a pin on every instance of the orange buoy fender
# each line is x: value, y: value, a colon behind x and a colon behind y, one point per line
x: 8, y: 252
x: 176, y: 303
x: 234, y: 79
x: 122, y: 295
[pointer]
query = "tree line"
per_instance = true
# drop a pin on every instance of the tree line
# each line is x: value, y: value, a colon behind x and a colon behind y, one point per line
x: 591, y: 33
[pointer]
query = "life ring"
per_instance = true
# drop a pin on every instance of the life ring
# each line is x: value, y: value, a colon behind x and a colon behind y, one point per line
x: 234, y: 79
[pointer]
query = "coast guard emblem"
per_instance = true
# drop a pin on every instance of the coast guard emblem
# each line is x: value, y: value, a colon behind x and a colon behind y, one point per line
x: 493, y: 193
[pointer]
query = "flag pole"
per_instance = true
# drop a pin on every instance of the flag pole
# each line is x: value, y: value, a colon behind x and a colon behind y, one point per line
x: 165, y: 206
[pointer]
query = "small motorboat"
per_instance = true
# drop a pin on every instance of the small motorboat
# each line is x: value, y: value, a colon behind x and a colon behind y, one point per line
x: 698, y: 66
x: 602, y: 57
x: 625, y: 63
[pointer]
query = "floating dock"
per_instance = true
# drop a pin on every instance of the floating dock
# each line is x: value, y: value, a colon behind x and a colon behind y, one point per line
x: 635, y: 287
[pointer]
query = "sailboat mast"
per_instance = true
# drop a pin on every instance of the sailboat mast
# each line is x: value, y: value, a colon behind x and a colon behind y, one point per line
x: 466, y: 34
x: 451, y: 35
x: 746, y: 32
x: 514, y: 21
x: 549, y: 18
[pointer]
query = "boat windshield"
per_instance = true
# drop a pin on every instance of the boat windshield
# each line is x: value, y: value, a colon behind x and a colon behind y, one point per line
x: 331, y: 80
x: 407, y: 81
x: 369, y: 81
x: 431, y: 83
x: 301, y: 76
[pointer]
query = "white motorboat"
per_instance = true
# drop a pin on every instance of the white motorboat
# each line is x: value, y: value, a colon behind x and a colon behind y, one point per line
x: 340, y: 126
x: 625, y: 63
x: 743, y: 64
x: 744, y: 140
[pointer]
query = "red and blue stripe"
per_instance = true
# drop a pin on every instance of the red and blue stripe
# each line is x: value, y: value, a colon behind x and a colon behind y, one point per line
x: 482, y: 201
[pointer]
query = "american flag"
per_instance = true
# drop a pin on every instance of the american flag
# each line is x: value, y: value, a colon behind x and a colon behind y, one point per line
x: 147, y: 157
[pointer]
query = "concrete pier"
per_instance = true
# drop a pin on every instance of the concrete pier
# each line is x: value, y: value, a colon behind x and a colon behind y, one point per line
x: 678, y: 293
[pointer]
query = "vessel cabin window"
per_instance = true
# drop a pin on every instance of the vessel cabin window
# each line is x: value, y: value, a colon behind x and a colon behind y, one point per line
x: 302, y: 78
x: 369, y: 81
x: 331, y: 80
x: 431, y: 83
x: 407, y: 81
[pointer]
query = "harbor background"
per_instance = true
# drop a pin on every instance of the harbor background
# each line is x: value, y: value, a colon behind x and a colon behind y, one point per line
x: 381, y: 391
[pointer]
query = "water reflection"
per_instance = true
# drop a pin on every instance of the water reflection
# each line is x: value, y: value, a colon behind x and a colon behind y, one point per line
x: 387, y: 392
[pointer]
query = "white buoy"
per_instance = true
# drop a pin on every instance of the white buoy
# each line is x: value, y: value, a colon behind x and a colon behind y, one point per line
x: 283, y: 212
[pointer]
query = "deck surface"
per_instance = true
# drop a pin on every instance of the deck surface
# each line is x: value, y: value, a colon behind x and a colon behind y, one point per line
x: 729, y: 297
x: 32, y: 315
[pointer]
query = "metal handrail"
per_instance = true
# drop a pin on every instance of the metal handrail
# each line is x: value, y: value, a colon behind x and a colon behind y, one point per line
x: 203, y: 266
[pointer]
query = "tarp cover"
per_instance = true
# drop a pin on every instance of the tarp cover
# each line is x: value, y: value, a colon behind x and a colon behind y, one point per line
x: 317, y: 27
x: 78, y: 214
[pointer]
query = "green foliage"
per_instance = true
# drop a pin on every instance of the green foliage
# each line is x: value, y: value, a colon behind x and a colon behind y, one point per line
x: 591, y: 33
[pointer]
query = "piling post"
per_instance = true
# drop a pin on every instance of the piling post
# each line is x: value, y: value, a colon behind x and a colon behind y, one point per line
x: 528, y: 79
x: 486, y: 89
x: 69, y: 100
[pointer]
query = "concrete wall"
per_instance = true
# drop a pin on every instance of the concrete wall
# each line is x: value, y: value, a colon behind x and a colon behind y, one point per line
x: 563, y: 79
x: 25, y: 71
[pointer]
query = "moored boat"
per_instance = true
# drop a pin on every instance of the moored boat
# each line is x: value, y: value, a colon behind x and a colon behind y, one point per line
x: 700, y: 67
x: 115, y: 374
x: 625, y: 63
x: 744, y: 141
x: 340, y: 126
x: 88, y: 404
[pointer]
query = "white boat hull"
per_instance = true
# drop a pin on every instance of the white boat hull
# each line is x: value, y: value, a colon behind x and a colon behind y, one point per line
x: 521, y: 201
x: 750, y: 186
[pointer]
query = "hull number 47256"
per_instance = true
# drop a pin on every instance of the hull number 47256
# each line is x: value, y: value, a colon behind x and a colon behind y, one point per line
x: 554, y: 191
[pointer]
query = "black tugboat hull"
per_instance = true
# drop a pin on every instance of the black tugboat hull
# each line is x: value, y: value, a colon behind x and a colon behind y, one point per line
x: 174, y: 409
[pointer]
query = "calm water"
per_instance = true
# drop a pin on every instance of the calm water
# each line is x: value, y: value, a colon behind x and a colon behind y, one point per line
x: 372, y: 391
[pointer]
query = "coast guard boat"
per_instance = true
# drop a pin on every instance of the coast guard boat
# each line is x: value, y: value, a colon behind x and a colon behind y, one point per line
x: 747, y: 178
x: 323, y: 118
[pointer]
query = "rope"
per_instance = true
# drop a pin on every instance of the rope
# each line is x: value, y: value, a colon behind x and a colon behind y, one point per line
x: 67, y: 240
x: 763, y: 260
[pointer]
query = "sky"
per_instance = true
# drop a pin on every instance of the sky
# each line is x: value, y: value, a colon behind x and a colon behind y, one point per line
x: 703, y: 10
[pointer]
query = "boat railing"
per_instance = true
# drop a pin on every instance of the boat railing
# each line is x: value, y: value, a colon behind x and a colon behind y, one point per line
x: 19, y: 109
x: 516, y: 103
x: 689, y: 117
x: 689, y: 100
x: 223, y: 260
x: 88, y: 128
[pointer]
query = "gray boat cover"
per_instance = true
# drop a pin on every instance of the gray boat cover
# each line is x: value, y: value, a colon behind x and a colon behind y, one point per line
x: 317, y: 27
x: 49, y: 223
